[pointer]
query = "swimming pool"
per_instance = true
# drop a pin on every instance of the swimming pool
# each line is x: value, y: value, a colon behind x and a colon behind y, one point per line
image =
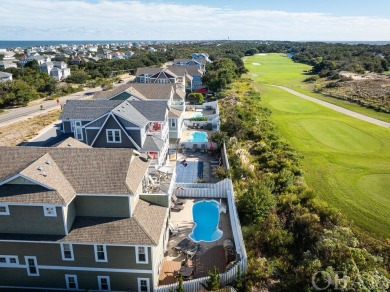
x: 198, y: 137
x: 206, y: 218
x: 196, y: 115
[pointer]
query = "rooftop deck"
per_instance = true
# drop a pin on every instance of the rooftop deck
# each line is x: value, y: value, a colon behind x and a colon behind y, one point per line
x: 209, y: 255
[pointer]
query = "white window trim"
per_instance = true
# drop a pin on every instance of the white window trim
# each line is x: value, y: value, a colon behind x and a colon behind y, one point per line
x: 137, y: 254
x: 96, y: 253
x: 8, y: 261
x: 6, y: 210
x: 63, y: 252
x: 113, y: 135
x: 67, y: 282
x: 54, y: 214
x: 143, y: 279
x: 173, y: 123
x: 108, y: 282
x: 26, y: 258
x: 74, y: 124
x: 81, y: 133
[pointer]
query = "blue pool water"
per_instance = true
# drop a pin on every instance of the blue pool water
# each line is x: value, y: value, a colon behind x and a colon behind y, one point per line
x: 206, y: 218
x: 198, y: 137
x: 196, y: 115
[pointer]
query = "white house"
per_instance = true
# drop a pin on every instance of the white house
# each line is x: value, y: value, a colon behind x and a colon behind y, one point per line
x: 57, y: 69
x: 7, y: 64
x: 4, y: 76
x: 46, y: 67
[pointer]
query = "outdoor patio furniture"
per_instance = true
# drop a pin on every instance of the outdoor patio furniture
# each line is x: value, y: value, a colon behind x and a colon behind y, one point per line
x: 182, y: 244
x: 185, y: 272
x: 190, y: 250
x: 176, y: 208
x: 177, y: 201
x: 174, y: 229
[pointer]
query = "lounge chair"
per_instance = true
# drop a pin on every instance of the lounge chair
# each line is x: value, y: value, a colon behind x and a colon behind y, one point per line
x: 177, y: 201
x: 182, y: 244
x: 177, y: 208
x: 191, y: 250
x: 174, y: 229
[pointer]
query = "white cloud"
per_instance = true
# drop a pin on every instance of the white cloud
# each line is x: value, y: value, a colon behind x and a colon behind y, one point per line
x: 105, y: 19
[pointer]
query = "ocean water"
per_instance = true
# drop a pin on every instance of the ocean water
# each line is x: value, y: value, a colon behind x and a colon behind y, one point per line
x: 28, y: 44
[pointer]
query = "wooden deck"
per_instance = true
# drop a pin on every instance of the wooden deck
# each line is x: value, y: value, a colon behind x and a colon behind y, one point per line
x: 202, y: 263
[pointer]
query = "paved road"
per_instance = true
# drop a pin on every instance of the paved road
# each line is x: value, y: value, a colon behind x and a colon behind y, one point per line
x: 17, y: 114
x: 336, y: 108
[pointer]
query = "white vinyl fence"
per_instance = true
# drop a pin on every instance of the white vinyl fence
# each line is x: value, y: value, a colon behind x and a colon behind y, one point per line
x: 222, y: 189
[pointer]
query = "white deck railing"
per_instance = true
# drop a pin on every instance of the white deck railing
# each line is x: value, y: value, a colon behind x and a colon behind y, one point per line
x: 222, y: 189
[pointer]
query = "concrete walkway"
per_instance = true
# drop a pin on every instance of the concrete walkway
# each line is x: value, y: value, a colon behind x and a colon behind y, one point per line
x: 336, y: 108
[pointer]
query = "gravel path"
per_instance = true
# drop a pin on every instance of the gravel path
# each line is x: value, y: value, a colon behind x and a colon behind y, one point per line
x: 337, y: 108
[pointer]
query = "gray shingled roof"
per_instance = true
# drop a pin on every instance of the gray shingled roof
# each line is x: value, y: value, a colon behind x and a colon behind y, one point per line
x: 87, y: 109
x: 152, y: 143
x: 110, y: 93
x: 33, y: 194
x: 142, y: 112
x: 147, y: 70
x: 88, y: 170
x: 143, y: 91
x: 144, y: 228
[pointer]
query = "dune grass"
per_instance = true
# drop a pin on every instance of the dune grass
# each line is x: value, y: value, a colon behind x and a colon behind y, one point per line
x: 283, y: 71
x: 346, y: 160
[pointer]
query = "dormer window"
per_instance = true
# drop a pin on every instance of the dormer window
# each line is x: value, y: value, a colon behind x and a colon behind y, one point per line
x: 49, y: 211
x: 4, y: 210
x: 114, y: 136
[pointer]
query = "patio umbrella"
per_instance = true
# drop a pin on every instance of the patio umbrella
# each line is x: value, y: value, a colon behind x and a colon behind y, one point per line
x: 211, y: 146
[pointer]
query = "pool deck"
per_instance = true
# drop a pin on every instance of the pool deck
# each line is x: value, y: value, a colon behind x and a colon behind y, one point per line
x: 210, y: 254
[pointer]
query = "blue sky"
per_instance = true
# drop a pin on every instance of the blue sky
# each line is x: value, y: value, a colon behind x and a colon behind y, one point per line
x: 328, y: 20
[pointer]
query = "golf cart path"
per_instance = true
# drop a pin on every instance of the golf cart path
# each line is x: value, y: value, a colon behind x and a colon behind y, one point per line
x: 336, y: 108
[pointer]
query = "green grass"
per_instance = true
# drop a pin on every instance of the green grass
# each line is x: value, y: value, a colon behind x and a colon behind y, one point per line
x: 346, y: 160
x: 283, y: 71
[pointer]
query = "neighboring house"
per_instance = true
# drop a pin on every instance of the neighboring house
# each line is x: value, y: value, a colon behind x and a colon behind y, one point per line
x: 200, y: 63
x: 163, y: 75
x: 57, y: 69
x: 201, y: 56
x: 79, y: 219
x: 174, y: 97
x: 191, y: 70
x: 40, y: 59
x: 140, y: 125
x: 4, y: 76
x: 46, y: 67
x: 78, y: 60
x: 7, y: 64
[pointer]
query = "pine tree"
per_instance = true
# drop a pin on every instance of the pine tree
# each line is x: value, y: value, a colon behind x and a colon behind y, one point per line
x: 214, y: 283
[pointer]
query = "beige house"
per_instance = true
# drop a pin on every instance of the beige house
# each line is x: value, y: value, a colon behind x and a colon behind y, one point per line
x: 79, y: 219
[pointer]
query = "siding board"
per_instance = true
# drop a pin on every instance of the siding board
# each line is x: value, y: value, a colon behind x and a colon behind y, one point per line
x: 31, y: 220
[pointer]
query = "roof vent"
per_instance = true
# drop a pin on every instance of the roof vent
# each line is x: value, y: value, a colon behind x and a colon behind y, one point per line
x: 69, y: 145
x: 119, y: 109
x: 48, y: 162
x: 44, y: 174
x: 40, y: 168
x: 123, y: 106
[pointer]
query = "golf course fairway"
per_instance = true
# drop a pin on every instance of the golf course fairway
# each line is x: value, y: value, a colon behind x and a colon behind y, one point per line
x: 346, y: 160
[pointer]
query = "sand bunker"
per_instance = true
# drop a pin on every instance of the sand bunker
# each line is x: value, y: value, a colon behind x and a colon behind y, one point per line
x: 256, y: 64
